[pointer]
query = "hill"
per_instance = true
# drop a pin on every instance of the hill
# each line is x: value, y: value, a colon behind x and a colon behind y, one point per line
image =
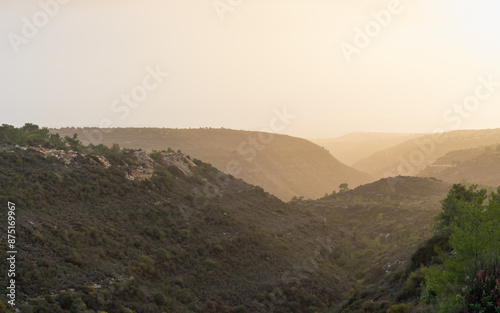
x: 456, y: 270
x: 354, y: 147
x: 284, y: 166
x: 476, y: 166
x: 120, y: 230
x: 413, y: 156
x: 386, y: 221
x: 106, y: 229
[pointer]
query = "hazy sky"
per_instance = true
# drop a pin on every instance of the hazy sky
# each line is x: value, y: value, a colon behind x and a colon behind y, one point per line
x: 68, y: 64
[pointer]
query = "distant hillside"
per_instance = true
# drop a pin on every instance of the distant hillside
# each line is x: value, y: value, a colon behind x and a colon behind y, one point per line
x: 353, y: 147
x: 284, y: 166
x: 385, y: 222
x: 414, y: 155
x: 456, y: 270
x: 477, y: 165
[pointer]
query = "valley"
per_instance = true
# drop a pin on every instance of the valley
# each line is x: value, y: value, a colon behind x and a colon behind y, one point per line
x: 110, y: 229
x: 283, y: 165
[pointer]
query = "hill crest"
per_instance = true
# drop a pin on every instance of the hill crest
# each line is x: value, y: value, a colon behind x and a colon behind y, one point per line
x: 283, y: 165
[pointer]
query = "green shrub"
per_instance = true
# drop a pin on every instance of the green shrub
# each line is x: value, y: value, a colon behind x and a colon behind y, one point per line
x: 174, y: 170
x: 159, y: 298
x: 482, y: 289
x: 400, y: 308
x: 78, y: 306
x: 76, y: 259
x: 64, y: 300
x: 156, y: 155
x: 26, y: 308
x: 240, y: 309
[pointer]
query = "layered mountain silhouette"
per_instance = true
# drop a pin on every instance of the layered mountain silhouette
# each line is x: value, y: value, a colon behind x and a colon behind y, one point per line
x: 414, y: 155
x: 354, y: 147
x: 476, y: 165
x: 283, y: 165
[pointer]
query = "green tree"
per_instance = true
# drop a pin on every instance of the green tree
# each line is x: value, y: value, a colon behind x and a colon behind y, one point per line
x: 30, y: 128
x: 458, y: 195
x: 343, y: 187
x: 474, y: 236
x: 73, y: 142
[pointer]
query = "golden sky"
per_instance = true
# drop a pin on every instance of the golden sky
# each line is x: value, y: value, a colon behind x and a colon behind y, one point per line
x: 232, y: 63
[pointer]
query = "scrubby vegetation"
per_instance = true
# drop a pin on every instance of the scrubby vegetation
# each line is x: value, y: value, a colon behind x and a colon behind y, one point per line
x: 92, y: 239
x: 457, y: 270
x: 105, y: 229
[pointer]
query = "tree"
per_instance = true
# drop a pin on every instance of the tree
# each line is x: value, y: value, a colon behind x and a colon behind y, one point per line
x: 30, y: 128
x: 458, y: 195
x: 30, y: 135
x: 474, y: 236
x: 73, y: 142
x: 343, y: 187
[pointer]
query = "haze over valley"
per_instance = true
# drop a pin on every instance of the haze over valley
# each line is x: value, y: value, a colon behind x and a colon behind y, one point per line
x: 232, y: 156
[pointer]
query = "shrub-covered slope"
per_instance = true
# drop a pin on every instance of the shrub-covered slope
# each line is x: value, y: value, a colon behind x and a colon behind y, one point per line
x: 107, y: 229
x: 283, y: 165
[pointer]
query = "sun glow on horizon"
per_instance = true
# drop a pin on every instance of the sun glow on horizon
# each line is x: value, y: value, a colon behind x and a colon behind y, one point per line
x: 233, y: 73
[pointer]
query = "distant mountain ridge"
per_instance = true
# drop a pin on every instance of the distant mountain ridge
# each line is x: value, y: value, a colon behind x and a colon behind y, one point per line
x: 476, y: 165
x: 283, y: 165
x: 414, y: 155
x: 353, y: 147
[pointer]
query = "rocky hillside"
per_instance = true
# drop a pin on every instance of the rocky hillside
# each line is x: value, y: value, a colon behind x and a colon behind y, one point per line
x: 120, y: 230
x: 284, y: 166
